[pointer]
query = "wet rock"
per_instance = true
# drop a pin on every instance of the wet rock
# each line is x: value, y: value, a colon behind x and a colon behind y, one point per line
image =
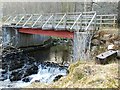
x: 15, y: 76
x: 16, y: 65
x: 57, y: 77
x: 13, y: 60
x: 47, y: 64
x: 37, y: 80
x: 4, y: 75
x: 33, y: 69
x: 61, y: 68
x: 25, y: 71
x: 3, y: 72
x: 27, y: 79
x: 21, y: 66
x: 2, y: 79
x: 9, y: 85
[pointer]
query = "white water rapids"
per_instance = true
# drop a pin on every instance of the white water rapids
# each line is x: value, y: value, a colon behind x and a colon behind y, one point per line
x: 46, y: 74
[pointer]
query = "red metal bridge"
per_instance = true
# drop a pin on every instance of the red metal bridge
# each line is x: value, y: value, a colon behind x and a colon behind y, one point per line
x: 53, y: 24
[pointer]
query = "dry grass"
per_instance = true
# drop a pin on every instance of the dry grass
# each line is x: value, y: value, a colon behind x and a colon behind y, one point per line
x: 86, y: 75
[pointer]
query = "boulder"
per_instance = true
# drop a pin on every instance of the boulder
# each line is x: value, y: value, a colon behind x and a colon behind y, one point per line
x: 26, y: 79
x: 95, y: 42
x: 16, y: 75
x: 31, y: 69
x: 94, y: 48
x: 106, y: 37
x: 57, y: 78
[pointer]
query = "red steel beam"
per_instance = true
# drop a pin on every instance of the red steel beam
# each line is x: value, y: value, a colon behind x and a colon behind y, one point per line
x: 60, y: 33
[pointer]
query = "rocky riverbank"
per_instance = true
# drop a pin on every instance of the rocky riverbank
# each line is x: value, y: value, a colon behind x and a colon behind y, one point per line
x: 33, y: 64
x: 86, y: 75
x: 19, y: 68
x: 89, y: 74
x: 103, y: 39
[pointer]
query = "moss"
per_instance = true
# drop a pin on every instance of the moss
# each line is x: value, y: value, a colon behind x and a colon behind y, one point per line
x: 73, y: 66
x: 112, y: 83
x: 77, y: 74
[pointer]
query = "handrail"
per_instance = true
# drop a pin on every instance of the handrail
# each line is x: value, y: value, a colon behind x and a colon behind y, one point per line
x: 7, y: 19
x: 107, y: 15
x: 90, y: 22
x: 36, y: 21
x: 14, y: 18
x: 27, y: 21
x: 47, y: 21
x: 60, y: 20
x: 58, y: 13
x: 19, y: 21
x: 110, y: 19
x: 76, y: 21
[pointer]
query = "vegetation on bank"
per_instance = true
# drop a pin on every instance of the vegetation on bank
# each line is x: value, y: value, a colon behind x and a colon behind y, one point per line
x: 86, y: 74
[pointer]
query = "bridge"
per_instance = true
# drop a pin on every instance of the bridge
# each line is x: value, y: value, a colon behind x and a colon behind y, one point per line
x: 57, y: 24
x: 79, y: 26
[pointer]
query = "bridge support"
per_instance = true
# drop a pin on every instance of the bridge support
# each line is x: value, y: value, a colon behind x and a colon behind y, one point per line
x: 11, y: 37
x: 81, y: 48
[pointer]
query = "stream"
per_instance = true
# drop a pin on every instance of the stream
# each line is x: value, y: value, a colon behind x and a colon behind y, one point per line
x: 20, y: 68
x: 47, y: 73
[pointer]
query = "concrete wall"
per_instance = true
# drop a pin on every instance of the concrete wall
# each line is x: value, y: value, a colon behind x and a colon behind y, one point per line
x: 10, y: 35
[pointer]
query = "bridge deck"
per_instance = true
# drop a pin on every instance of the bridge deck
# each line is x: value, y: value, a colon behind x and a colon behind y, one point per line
x: 59, y: 24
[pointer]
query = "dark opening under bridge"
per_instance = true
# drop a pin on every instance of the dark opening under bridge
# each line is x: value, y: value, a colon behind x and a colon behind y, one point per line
x: 58, y: 24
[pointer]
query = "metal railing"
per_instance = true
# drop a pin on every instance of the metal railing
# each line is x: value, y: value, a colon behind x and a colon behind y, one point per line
x: 106, y: 20
x: 76, y: 21
x: 57, y: 21
x: 61, y: 21
x: 90, y: 23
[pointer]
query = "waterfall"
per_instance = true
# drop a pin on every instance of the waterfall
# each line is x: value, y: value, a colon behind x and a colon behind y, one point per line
x: 47, y: 73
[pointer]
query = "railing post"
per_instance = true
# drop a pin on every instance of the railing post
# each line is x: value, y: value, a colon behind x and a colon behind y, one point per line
x: 65, y: 21
x: 19, y: 20
x: 53, y: 21
x: 27, y: 20
x: 76, y: 21
x: 7, y: 19
x: 100, y: 21
x: 95, y: 23
x: 36, y: 21
x: 60, y: 21
x: 47, y: 21
x: 114, y: 21
x: 14, y: 18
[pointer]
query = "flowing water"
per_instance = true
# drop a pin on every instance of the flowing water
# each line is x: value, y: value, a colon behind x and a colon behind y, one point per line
x: 47, y: 73
x: 44, y: 65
